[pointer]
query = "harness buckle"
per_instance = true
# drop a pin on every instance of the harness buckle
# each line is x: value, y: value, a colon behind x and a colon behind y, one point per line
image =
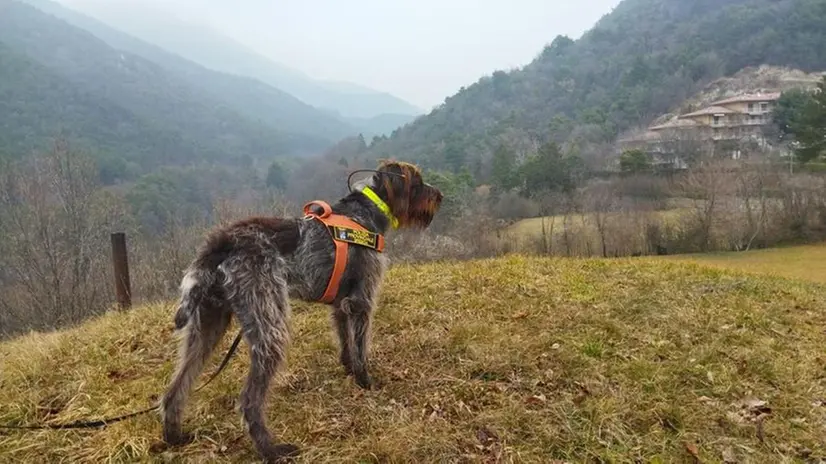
x: 317, y: 208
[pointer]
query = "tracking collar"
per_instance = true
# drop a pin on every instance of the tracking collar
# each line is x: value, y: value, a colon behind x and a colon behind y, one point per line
x: 369, y: 193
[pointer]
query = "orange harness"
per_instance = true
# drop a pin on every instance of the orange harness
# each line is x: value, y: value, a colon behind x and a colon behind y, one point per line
x: 344, y: 231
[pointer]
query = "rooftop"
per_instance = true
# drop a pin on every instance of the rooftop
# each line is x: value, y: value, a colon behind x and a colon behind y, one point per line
x: 757, y: 97
x: 674, y: 124
x: 711, y: 110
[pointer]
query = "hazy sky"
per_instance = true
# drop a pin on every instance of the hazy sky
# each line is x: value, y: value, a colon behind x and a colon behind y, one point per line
x: 420, y: 50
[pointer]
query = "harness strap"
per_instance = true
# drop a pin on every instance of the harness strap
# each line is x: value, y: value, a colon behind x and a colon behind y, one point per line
x: 343, y: 231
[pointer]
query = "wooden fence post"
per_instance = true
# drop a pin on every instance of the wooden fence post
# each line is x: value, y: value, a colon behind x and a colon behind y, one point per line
x: 120, y: 261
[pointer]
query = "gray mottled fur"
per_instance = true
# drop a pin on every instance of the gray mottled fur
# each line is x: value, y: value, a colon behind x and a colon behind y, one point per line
x: 251, y: 268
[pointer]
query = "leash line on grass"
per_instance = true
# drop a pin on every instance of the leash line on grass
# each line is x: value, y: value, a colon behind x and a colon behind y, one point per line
x: 105, y: 422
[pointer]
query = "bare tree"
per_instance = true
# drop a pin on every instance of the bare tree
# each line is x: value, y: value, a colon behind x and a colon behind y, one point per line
x: 55, y: 229
x: 601, y: 200
x: 548, y: 207
x: 753, y: 186
x: 707, y: 186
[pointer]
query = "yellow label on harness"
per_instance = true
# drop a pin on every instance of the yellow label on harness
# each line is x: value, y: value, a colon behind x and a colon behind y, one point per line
x: 356, y: 237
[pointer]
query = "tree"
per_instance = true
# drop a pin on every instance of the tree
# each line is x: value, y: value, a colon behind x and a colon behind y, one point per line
x: 551, y: 170
x: 708, y: 186
x: 457, y: 190
x: 560, y: 128
x: 276, y: 177
x: 809, y: 129
x: 55, y: 221
x: 634, y: 161
x: 786, y: 114
x: 503, y: 171
x: 600, y: 201
x: 454, y: 155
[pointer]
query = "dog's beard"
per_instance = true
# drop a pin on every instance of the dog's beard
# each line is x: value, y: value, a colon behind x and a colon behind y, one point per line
x: 423, y: 209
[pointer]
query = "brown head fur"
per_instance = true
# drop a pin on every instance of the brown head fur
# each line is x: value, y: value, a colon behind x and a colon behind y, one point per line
x: 411, y: 200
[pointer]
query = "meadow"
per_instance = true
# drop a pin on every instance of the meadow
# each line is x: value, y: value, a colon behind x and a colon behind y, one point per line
x: 513, y: 359
x: 806, y: 262
x: 583, y: 234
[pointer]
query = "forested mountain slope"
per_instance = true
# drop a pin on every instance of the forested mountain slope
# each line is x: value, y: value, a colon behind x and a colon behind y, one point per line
x: 215, y: 51
x: 89, y: 83
x: 36, y: 104
x: 636, y: 63
x: 247, y: 96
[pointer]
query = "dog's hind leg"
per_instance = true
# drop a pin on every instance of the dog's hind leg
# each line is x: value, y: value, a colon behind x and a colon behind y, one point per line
x: 261, y: 306
x: 201, y: 337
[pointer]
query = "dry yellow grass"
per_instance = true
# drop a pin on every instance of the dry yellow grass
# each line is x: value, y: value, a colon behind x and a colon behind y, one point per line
x: 621, y: 229
x: 508, y: 360
x: 532, y: 227
x: 802, y: 262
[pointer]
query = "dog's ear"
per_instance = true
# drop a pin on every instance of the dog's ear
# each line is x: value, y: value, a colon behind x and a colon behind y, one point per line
x: 413, y: 202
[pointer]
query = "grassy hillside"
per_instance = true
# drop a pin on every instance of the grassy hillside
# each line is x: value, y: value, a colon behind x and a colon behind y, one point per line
x: 508, y: 360
x: 636, y: 63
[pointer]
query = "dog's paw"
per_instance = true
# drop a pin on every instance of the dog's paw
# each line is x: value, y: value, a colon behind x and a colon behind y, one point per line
x: 178, y: 438
x: 281, y: 453
x: 367, y: 382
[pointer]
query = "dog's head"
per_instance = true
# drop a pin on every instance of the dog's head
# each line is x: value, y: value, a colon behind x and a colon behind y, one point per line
x: 411, y: 200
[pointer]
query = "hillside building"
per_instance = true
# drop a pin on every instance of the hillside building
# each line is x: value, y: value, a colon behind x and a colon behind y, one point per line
x: 724, y: 126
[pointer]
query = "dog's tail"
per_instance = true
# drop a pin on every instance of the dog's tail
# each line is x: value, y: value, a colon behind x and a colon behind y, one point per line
x: 201, y: 277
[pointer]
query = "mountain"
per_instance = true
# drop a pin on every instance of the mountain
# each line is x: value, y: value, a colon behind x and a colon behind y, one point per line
x: 37, y: 103
x: 381, y: 125
x: 218, y: 52
x: 247, y: 96
x: 85, y: 82
x: 636, y: 63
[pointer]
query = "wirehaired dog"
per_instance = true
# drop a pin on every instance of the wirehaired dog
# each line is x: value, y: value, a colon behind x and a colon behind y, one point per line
x: 250, y: 268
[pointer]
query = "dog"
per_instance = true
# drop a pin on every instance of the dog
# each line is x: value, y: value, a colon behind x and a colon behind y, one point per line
x: 251, y: 268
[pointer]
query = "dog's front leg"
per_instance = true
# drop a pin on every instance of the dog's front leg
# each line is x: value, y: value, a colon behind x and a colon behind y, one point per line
x: 345, y: 338
x: 359, y: 313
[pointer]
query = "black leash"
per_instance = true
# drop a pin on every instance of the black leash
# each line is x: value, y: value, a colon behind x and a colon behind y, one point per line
x: 350, y: 187
x: 105, y: 422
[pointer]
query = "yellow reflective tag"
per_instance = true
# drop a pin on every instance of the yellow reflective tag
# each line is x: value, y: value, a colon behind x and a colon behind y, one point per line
x: 356, y: 237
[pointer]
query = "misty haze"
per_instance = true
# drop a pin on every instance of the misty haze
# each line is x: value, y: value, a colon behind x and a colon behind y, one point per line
x: 604, y: 221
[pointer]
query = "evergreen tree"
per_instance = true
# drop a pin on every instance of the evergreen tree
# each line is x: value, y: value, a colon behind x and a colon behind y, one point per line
x: 503, y: 175
x: 634, y: 161
x: 810, y: 127
x: 551, y: 170
x: 786, y: 114
x: 276, y: 177
x: 454, y: 155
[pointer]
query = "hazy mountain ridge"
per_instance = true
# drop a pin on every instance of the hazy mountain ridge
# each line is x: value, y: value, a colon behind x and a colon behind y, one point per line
x: 635, y: 64
x: 248, y: 96
x: 190, y: 122
x: 216, y: 51
x: 37, y: 104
